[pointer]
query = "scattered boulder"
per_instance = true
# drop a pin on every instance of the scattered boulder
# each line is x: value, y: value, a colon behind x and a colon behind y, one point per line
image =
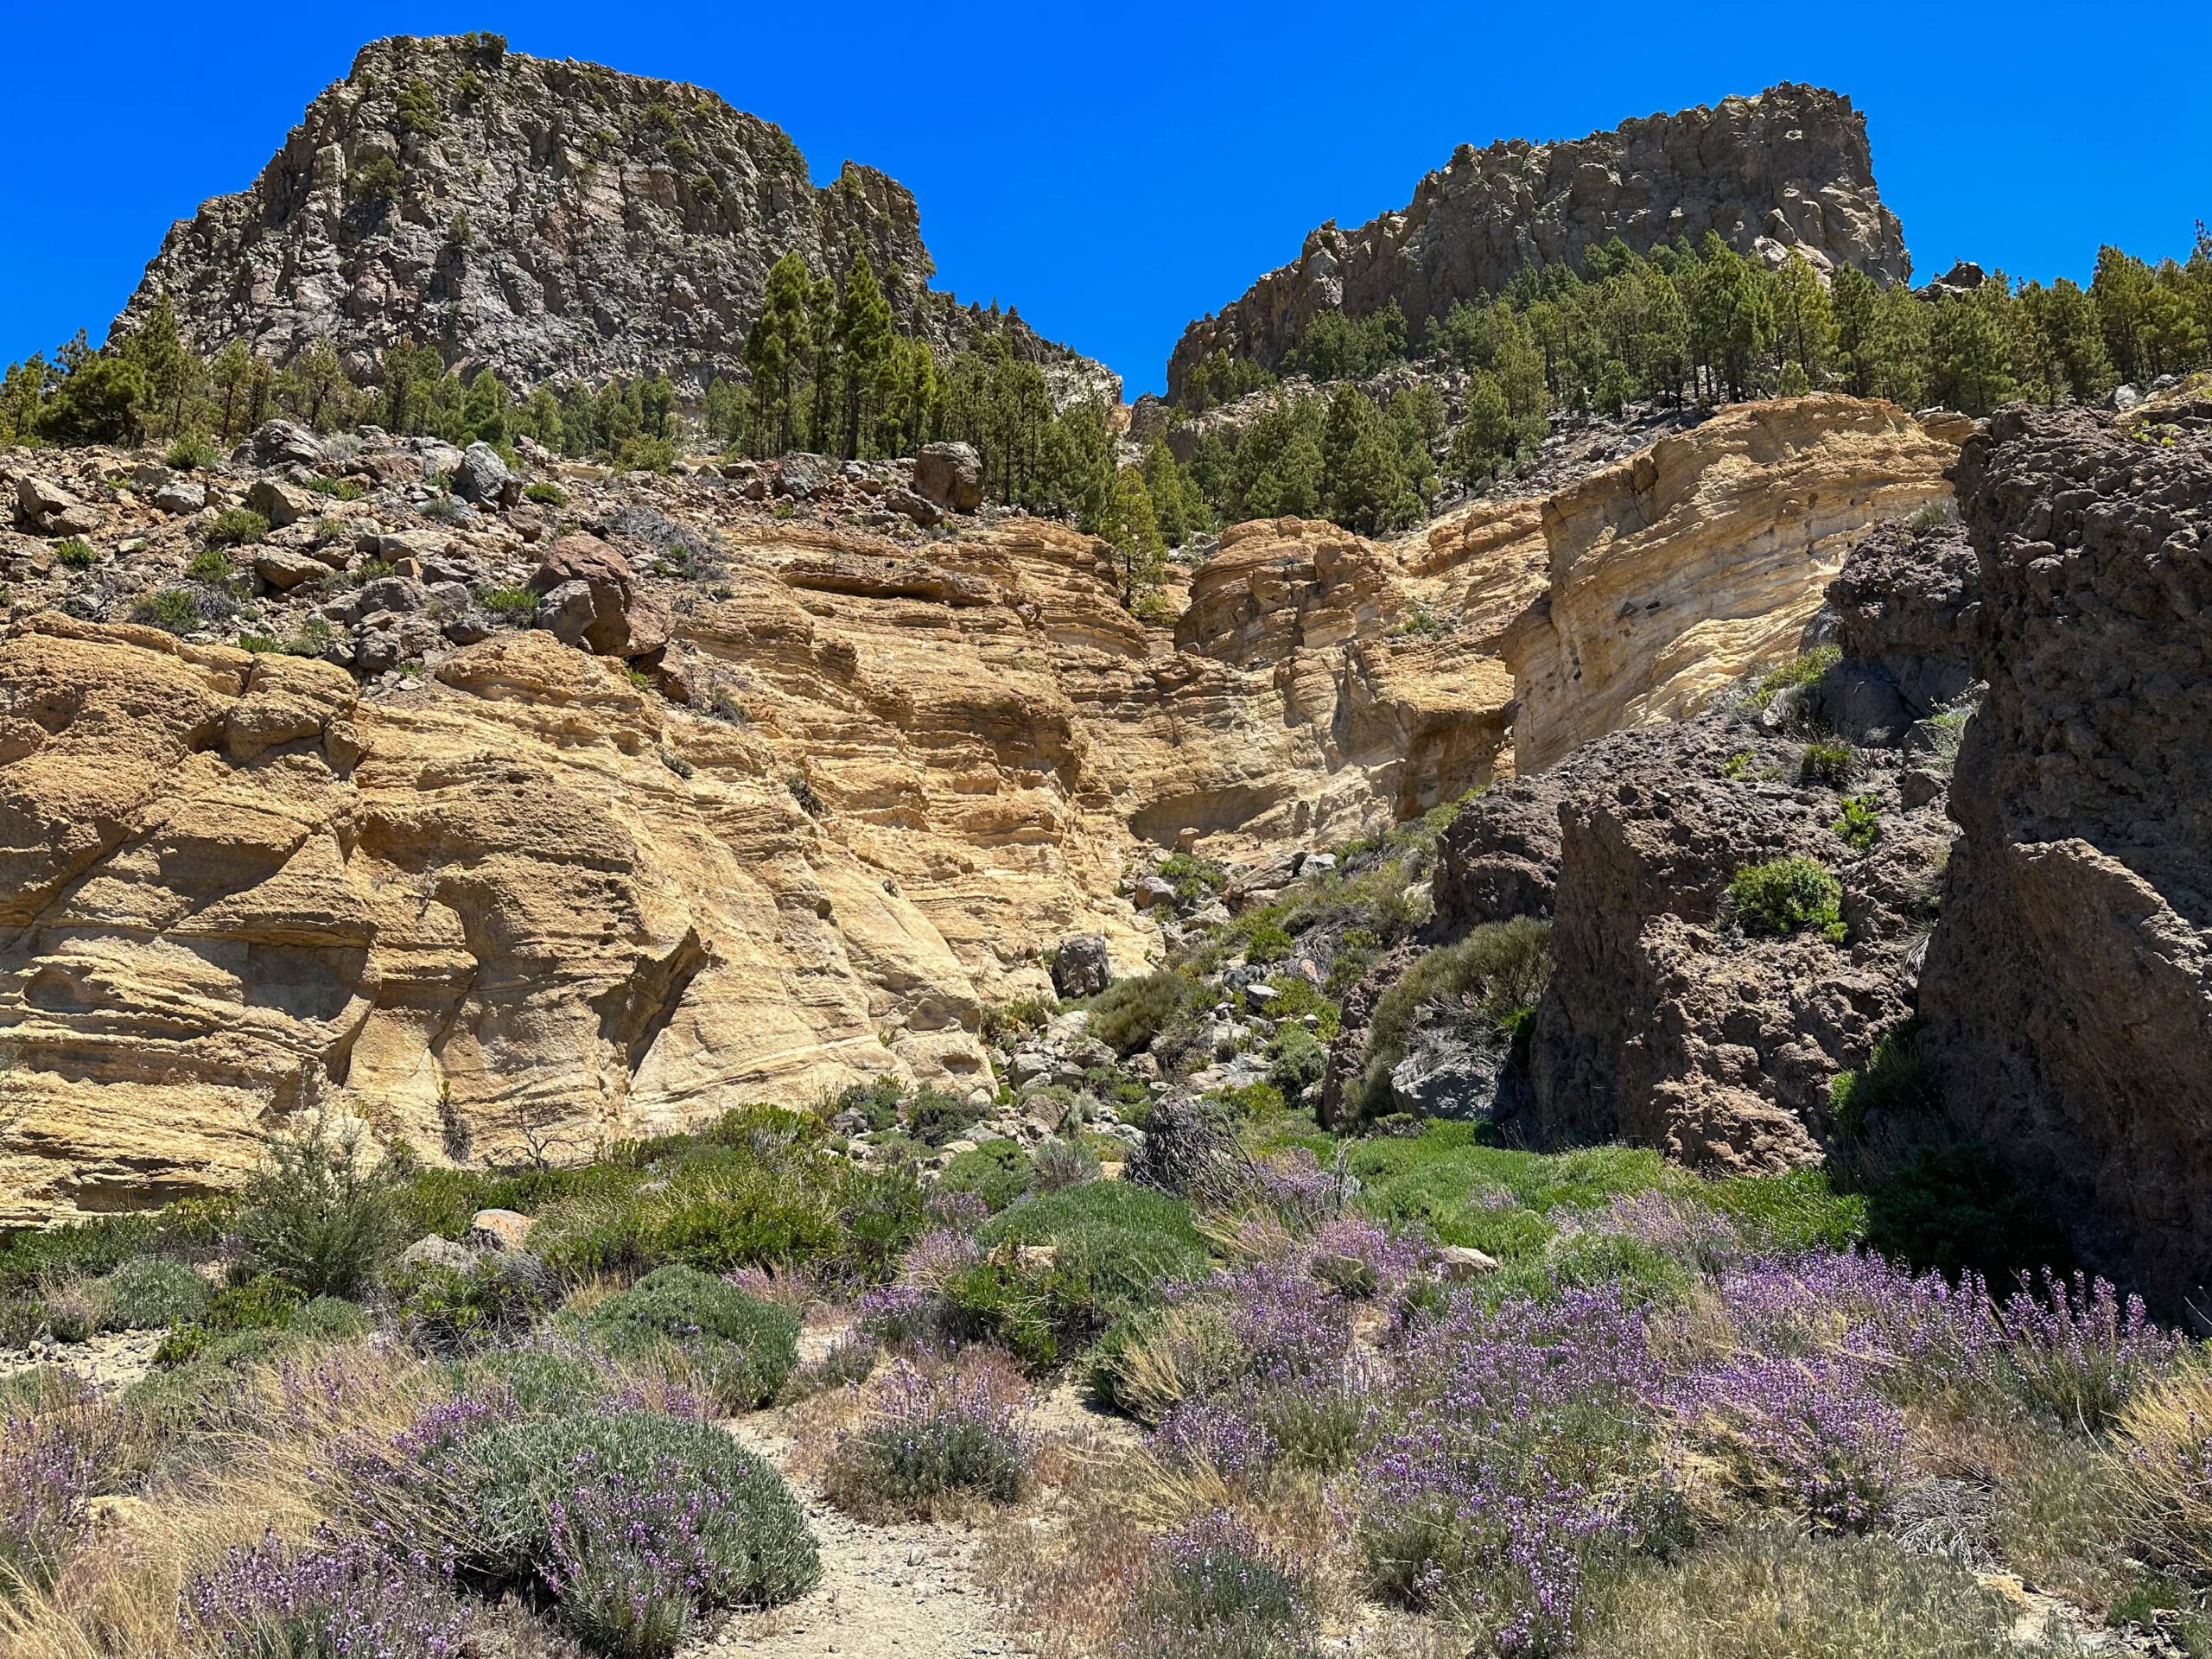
x: 280, y: 503
x: 43, y: 507
x: 482, y: 477
x: 285, y: 443
x: 1081, y: 968
x: 499, y: 1230
x: 432, y: 1250
x: 180, y: 495
x: 283, y: 568
x: 592, y: 600
x: 951, y: 476
x: 909, y: 505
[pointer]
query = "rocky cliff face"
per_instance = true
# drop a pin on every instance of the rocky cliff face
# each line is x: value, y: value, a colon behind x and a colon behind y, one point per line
x: 549, y: 220
x: 1788, y: 168
x: 2069, y: 989
x: 1672, y: 572
x: 780, y: 792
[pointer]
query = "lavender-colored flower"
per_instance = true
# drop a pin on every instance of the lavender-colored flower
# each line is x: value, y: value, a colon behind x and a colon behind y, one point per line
x: 937, y: 1257
x: 340, y: 1599
x: 1209, y: 1589
x: 51, y: 1467
x: 952, y: 1428
x: 1807, y: 1434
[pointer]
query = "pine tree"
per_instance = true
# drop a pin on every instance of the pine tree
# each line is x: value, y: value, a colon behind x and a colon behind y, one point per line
x: 1971, y: 356
x: 167, y: 369
x: 1130, y: 524
x: 1488, y: 438
x: 101, y: 400
x: 1804, y: 322
x: 1177, y: 505
x: 865, y: 340
x: 326, y: 390
x: 233, y: 375
x: 776, y: 354
x: 1363, y: 484
x: 22, y: 398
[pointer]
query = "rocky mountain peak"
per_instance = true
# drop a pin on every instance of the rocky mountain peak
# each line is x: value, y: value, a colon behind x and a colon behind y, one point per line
x: 1787, y: 168
x: 546, y: 220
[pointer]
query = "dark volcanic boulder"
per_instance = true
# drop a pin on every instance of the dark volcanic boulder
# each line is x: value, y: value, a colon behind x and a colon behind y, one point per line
x: 2067, y: 994
x: 1671, y: 1020
x: 1905, y: 606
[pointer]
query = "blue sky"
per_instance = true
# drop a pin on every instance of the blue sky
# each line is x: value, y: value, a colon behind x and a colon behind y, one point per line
x: 1116, y: 171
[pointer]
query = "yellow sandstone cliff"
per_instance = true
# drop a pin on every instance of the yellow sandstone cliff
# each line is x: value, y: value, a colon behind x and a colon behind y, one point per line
x: 533, y: 905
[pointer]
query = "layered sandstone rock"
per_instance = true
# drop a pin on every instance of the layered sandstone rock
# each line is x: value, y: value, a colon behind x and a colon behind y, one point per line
x: 1787, y: 169
x: 2068, y: 994
x: 543, y: 219
x: 1673, y: 573
x: 532, y: 902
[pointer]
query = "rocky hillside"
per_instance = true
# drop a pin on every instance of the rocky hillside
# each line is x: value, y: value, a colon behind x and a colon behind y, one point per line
x: 507, y: 810
x: 548, y: 220
x: 1789, y: 168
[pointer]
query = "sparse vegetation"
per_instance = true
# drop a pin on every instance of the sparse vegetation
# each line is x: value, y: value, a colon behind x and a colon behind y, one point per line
x: 1790, y: 895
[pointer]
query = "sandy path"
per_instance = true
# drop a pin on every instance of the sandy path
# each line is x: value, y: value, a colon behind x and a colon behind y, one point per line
x: 909, y: 1590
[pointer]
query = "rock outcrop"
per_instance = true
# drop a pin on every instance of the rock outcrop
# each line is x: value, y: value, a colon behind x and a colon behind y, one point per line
x: 548, y: 220
x: 1789, y: 168
x: 2067, y: 994
x: 1667, y: 1022
x: 1673, y: 572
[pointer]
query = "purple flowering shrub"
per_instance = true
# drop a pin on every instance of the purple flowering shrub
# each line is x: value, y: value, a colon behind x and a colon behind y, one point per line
x: 934, y: 1433
x: 2078, y: 1348
x: 52, y: 1463
x: 1209, y: 1589
x: 1504, y: 1476
x: 1807, y: 1435
x: 342, y: 1599
x: 632, y: 1522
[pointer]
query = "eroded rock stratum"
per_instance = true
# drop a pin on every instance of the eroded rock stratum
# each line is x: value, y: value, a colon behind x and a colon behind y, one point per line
x: 541, y: 898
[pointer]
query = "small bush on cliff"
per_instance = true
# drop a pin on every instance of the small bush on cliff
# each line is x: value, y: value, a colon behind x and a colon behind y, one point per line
x: 320, y: 1213
x: 1860, y: 826
x: 1829, y: 761
x: 1787, y: 896
x: 1894, y: 1079
x: 1492, y: 978
x: 1128, y: 1014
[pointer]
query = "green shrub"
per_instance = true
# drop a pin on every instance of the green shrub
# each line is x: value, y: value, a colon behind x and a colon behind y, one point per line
x: 1210, y: 1590
x: 173, y: 610
x: 743, y: 1348
x: 754, y: 1545
x: 151, y: 1292
x: 1955, y: 1207
x: 500, y: 1299
x: 1787, y: 896
x: 1805, y: 670
x: 546, y: 493
x: 1114, y: 1241
x: 235, y: 527
x: 742, y: 1214
x: 937, y: 1118
x: 1491, y: 979
x: 1004, y: 1024
x: 338, y: 489
x: 1130, y: 1012
x: 319, y: 1214
x: 210, y: 565
x: 1298, y: 1061
x: 1267, y: 942
x: 192, y: 454
x: 998, y: 1171
x: 877, y: 1102
x: 1195, y: 879
x: 261, y: 1302
x: 1896, y: 1079
x: 1860, y: 826
x: 75, y: 555
x: 1829, y: 761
